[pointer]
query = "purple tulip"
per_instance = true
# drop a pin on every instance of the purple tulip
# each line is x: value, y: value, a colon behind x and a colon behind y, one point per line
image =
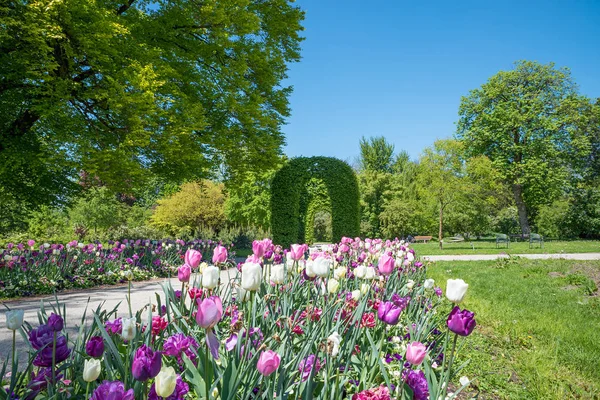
x: 258, y: 248
x: 146, y: 363
x: 179, y: 344
x: 461, y: 322
x: 184, y: 272
x: 308, y: 364
x: 42, y: 339
x: 418, y: 384
x: 55, y: 322
x: 95, y: 347
x: 112, y: 391
x: 297, y: 251
x: 389, y: 313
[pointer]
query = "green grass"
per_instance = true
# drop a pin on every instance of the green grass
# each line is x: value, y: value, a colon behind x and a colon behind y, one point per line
x: 538, y: 333
x: 487, y: 247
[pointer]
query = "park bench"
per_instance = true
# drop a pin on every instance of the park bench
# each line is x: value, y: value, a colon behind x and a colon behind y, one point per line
x: 425, y: 239
x: 502, y: 238
x: 457, y: 239
x: 536, y: 238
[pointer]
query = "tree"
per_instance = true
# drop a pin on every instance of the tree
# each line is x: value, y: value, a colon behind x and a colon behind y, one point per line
x: 197, y: 205
x: 525, y: 122
x: 129, y: 90
x: 97, y: 209
x: 376, y: 154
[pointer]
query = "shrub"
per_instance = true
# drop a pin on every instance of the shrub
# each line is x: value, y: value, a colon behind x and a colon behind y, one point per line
x: 97, y: 211
x: 551, y: 218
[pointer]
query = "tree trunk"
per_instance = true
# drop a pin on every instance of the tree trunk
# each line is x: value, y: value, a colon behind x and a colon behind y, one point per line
x: 522, y: 208
x: 441, y: 222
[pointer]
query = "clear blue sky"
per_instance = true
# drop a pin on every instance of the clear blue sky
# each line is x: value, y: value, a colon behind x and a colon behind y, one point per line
x: 399, y: 68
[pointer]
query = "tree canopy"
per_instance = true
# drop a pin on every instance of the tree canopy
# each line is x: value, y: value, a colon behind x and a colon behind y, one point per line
x: 138, y: 88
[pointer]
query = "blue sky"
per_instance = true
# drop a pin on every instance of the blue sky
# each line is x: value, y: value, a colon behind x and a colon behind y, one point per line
x: 398, y: 68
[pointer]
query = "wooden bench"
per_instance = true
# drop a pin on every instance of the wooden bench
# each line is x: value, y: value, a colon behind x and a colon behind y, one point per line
x: 425, y: 239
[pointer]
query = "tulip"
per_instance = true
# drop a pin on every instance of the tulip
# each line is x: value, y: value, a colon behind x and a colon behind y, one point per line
x: 53, y: 347
x: 146, y: 363
x: 321, y: 266
x: 386, y: 264
x: 55, y: 322
x: 268, y: 362
x: 388, y: 312
x: 333, y: 341
x: 410, y: 256
x: 95, y: 347
x: 165, y: 382
x: 128, y: 275
x: 415, y: 353
x: 242, y: 294
x: 91, y: 370
x: 333, y: 285
x: 339, y: 273
x: 364, y: 288
x: 219, y: 255
x: 210, y: 277
x: 360, y: 271
x: 258, y: 248
x: 112, y: 391
x: 251, y: 276
x: 410, y: 284
x: 14, y: 319
x: 210, y: 311
x: 428, y: 284
x: 129, y: 328
x: 277, y: 274
x: 309, y: 269
x: 192, y: 258
x: 464, y: 381
x: 355, y: 294
x: 184, y: 272
x: 456, y: 290
x: 297, y: 251
x: 461, y: 322
x: 370, y: 274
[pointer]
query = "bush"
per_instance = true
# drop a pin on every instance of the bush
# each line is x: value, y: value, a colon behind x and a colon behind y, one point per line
x: 97, y: 211
x: 550, y: 221
x: 507, y: 221
x: 49, y: 225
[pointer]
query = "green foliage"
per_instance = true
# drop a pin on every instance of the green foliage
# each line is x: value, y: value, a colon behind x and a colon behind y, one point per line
x: 289, y: 198
x: 550, y: 221
x: 400, y: 219
x: 507, y: 221
x: 376, y: 154
x: 134, y: 89
x: 49, y: 225
x: 197, y: 205
x: 322, y: 227
x: 314, y: 201
x: 583, y: 218
x: 98, y: 210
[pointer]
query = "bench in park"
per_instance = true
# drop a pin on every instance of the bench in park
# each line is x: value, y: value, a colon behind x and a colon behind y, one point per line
x: 425, y: 239
x: 536, y: 238
x: 502, y: 238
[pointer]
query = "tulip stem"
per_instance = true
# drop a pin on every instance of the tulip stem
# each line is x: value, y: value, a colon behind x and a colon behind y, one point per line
x: 450, y: 361
x: 14, y: 346
x: 129, y: 299
x: 87, y: 390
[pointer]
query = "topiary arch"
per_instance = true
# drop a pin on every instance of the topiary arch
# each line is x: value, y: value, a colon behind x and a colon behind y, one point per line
x: 291, y: 203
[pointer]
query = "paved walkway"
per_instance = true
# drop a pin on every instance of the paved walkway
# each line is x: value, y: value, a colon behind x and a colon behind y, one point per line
x: 487, y: 257
x: 77, y: 301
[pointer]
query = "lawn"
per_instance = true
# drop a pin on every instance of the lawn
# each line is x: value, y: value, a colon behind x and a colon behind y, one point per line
x: 489, y: 247
x: 538, y: 333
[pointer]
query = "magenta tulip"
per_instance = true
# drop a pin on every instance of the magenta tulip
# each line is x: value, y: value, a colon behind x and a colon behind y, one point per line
x: 184, y: 272
x: 415, y: 353
x: 258, y: 248
x: 219, y: 255
x: 268, y: 362
x: 193, y: 258
x: 461, y: 322
x: 386, y: 264
x: 210, y: 311
x: 297, y: 251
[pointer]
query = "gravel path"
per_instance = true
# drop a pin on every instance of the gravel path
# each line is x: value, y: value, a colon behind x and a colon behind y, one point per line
x: 487, y: 257
x: 76, y: 303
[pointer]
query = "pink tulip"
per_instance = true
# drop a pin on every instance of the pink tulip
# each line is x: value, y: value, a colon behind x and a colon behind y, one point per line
x: 344, y: 248
x: 220, y: 255
x: 415, y: 353
x: 183, y: 273
x: 386, y: 264
x: 297, y: 251
x: 268, y: 243
x: 258, y: 248
x: 193, y: 258
x: 268, y: 362
x: 31, y: 242
x: 210, y: 311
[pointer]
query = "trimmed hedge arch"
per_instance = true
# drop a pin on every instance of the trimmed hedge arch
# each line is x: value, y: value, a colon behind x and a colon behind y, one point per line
x: 291, y: 202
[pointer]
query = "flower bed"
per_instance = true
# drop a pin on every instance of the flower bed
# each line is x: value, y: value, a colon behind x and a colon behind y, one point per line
x: 356, y: 321
x: 27, y: 269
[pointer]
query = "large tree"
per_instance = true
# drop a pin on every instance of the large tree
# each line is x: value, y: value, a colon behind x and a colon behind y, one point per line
x: 127, y: 89
x: 526, y: 122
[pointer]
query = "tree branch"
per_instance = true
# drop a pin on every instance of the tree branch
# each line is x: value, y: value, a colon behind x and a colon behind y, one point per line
x: 125, y: 7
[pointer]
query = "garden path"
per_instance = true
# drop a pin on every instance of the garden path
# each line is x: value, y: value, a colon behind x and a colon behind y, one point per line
x: 487, y: 257
x: 77, y: 302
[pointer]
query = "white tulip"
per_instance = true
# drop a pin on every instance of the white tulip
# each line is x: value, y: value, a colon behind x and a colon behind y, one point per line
x: 310, y: 272
x: 360, y: 271
x: 165, y: 382
x: 364, y: 288
x: 356, y: 294
x: 128, y: 275
x: 339, y: 273
x: 210, y: 277
x: 242, y: 294
x: 410, y: 256
x: 251, y: 276
x: 456, y: 290
x: 333, y: 285
x: 128, y: 328
x: 322, y: 266
x: 334, y: 340
x: 428, y: 284
x: 410, y: 284
x: 91, y: 370
x: 203, y: 265
x: 14, y: 319
x: 464, y: 381
x: 278, y: 274
x: 370, y: 273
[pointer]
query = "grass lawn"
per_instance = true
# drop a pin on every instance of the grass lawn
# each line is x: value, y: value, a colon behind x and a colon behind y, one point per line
x: 538, y: 327
x: 486, y: 247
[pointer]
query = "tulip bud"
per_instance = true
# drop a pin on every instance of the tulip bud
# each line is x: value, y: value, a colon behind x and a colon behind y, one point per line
x: 210, y: 277
x: 91, y: 370
x: 456, y: 290
x: 165, y: 382
x: 428, y: 284
x: 321, y: 266
x: 129, y: 328
x: 277, y: 274
x: 184, y: 272
x: 333, y: 342
x: 251, y: 276
x: 370, y: 273
x: 360, y: 271
x: 333, y: 285
x: 268, y: 362
x: 339, y: 273
x: 14, y: 319
x: 415, y: 353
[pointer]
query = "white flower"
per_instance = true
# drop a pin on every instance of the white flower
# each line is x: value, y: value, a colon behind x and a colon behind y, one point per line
x: 360, y: 271
x: 464, y: 381
x: 129, y: 328
x: 410, y: 256
x: 456, y: 290
x: 91, y: 370
x: 210, y: 277
x: 364, y: 288
x: 203, y: 265
x: 56, y: 252
x: 356, y: 294
x: 128, y: 275
x: 333, y: 285
x: 277, y: 274
x: 334, y: 340
x: 428, y: 284
x: 310, y: 272
x: 165, y: 382
x: 46, y: 245
x: 370, y: 273
x: 242, y: 294
x: 339, y: 273
x: 410, y: 284
x: 251, y: 276
x: 321, y: 266
x: 14, y: 319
